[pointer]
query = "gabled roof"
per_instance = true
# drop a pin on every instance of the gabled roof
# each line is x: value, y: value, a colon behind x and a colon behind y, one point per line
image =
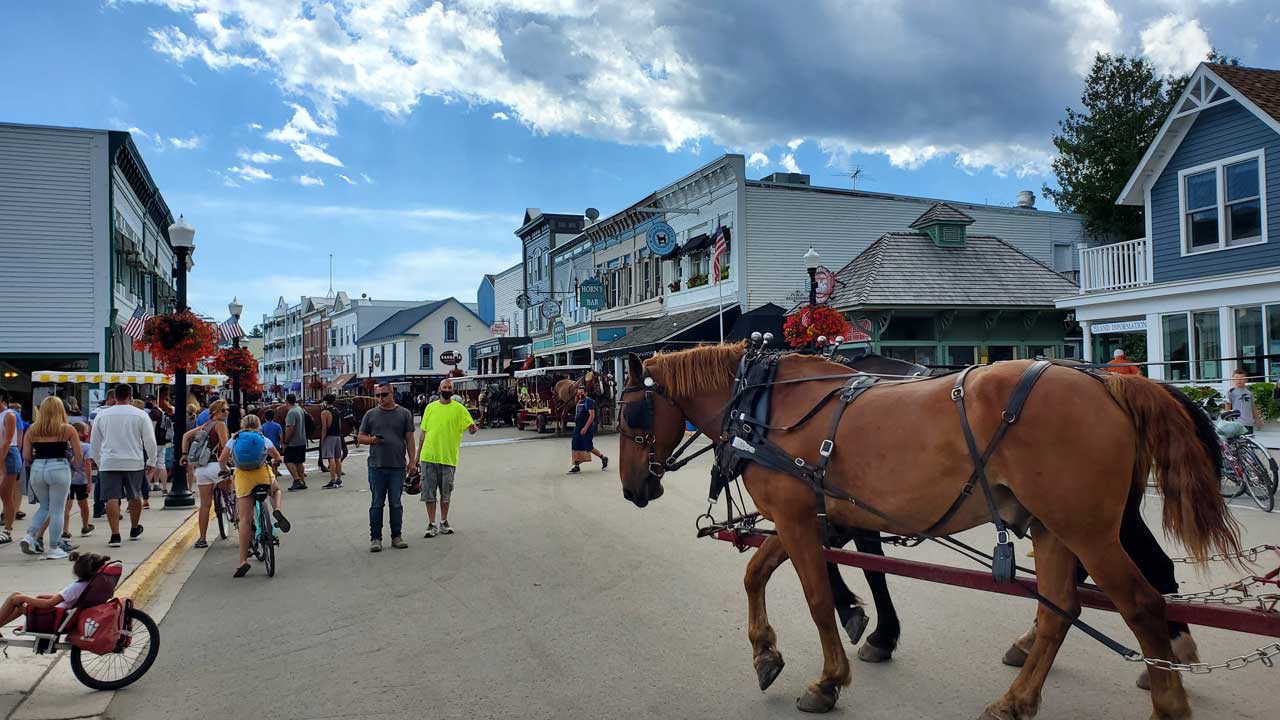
x: 661, y: 329
x: 402, y: 321
x: 1256, y: 89
x: 941, y: 213
x: 909, y: 269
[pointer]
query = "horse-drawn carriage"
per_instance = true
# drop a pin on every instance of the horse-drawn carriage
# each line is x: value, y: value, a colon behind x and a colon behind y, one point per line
x: 548, y: 396
x: 489, y: 398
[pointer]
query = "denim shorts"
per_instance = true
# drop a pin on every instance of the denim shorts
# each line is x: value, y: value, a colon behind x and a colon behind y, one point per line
x: 13, y: 462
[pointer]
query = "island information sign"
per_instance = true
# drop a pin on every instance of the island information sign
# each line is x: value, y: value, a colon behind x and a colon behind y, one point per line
x: 591, y: 294
x: 661, y: 239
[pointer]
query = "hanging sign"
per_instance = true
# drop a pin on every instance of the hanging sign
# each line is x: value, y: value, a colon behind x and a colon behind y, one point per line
x: 860, y: 331
x: 591, y: 294
x: 661, y: 239
x: 825, y: 281
x: 1126, y: 326
x: 557, y: 333
x: 500, y: 328
x: 550, y: 309
x: 451, y: 357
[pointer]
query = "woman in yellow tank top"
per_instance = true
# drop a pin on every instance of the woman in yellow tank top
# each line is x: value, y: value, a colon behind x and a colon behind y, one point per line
x: 246, y: 481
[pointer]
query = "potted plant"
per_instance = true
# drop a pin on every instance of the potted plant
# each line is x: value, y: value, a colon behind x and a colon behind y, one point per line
x: 238, y: 365
x: 804, y: 326
x: 697, y: 281
x: 674, y: 286
x: 178, y: 341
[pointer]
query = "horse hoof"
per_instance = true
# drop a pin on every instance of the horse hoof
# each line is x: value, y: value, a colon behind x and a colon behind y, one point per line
x: 1014, y: 657
x: 767, y: 670
x: 817, y: 700
x: 869, y: 653
x: 994, y: 713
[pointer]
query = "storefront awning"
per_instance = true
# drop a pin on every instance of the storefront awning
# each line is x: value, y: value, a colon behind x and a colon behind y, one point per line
x: 128, y: 378
x: 341, y: 381
x: 674, y: 331
x: 697, y: 242
x: 535, y: 372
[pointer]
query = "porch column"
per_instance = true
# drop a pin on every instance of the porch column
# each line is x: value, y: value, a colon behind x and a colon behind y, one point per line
x: 1227, y: 337
x: 1086, y: 327
x: 1155, y: 348
x: 619, y: 380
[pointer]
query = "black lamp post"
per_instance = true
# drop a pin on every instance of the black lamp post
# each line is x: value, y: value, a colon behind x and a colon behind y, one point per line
x: 236, y: 398
x: 182, y: 237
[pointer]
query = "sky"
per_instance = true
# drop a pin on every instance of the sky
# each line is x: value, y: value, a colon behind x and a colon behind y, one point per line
x: 405, y: 138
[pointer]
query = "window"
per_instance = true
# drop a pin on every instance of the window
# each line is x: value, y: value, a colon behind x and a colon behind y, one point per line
x: 393, y: 356
x: 921, y: 355
x: 1208, y: 344
x: 1062, y: 257
x: 960, y: 355
x: 1176, y: 350
x: 450, y: 330
x: 1249, y: 341
x: 424, y: 356
x: 1222, y: 204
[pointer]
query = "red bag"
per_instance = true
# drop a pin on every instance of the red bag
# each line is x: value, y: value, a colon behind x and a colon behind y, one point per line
x: 97, y: 629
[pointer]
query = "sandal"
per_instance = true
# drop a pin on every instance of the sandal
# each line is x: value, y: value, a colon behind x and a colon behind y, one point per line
x: 242, y: 571
x: 201, y: 544
x: 5, y: 537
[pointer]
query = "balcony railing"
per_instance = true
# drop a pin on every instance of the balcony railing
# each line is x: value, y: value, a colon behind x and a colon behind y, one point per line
x: 1116, y: 266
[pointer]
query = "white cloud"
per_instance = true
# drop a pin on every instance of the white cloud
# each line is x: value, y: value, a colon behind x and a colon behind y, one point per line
x: 1175, y: 44
x: 514, y: 159
x: 249, y: 173
x: 1001, y: 159
x: 313, y: 154
x: 1092, y: 26
x: 309, y: 181
x: 180, y: 47
x: 258, y: 157
x: 192, y: 143
x: 367, y: 178
x: 255, y: 126
x: 758, y: 160
x: 348, y: 180
x: 501, y: 116
x: 300, y: 126
x: 788, y: 163
x: 795, y: 144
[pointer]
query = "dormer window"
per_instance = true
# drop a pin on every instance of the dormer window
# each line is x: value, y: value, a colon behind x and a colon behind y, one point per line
x: 944, y: 224
x: 1222, y: 204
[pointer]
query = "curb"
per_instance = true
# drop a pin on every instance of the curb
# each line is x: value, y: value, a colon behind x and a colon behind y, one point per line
x: 144, y: 580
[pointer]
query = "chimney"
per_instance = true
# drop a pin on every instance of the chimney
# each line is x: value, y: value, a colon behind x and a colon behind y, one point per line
x: 783, y: 178
x: 1027, y: 200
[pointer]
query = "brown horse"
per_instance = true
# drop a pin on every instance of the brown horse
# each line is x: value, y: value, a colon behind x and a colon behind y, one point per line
x: 1078, y: 451
x: 566, y: 393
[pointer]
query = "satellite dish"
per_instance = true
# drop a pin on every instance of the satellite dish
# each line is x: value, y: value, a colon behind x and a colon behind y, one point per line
x: 593, y: 214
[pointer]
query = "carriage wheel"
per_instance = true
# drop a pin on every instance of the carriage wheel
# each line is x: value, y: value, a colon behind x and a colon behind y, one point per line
x: 124, y: 666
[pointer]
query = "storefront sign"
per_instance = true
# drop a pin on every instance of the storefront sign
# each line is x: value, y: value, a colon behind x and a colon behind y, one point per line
x: 451, y: 357
x: 557, y: 333
x: 860, y: 331
x: 500, y: 328
x: 661, y: 239
x: 591, y: 294
x: 550, y: 309
x: 1126, y: 326
x: 484, y: 351
x: 825, y: 281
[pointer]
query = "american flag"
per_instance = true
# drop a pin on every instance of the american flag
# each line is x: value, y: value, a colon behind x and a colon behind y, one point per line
x: 721, y: 247
x: 137, y: 322
x: 229, y: 330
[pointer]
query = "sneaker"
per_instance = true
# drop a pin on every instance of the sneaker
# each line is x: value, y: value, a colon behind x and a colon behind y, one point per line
x: 604, y: 463
x: 432, y: 531
x: 297, y: 486
x: 331, y: 485
x: 574, y: 469
x: 375, y: 546
x: 445, y: 529
x: 398, y: 544
x: 55, y: 553
x: 155, y: 487
x: 20, y: 515
x: 66, y: 536
x: 135, y: 532
x: 29, y: 545
x: 281, y: 521
x: 67, y: 546
x: 114, y: 541
x: 201, y: 544
x: 86, y: 531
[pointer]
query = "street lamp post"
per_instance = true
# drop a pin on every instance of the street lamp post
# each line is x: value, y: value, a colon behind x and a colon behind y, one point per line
x: 182, y: 237
x: 236, y: 308
x: 812, y: 260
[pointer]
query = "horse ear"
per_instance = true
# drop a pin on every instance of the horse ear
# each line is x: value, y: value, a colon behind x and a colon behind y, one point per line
x: 635, y: 369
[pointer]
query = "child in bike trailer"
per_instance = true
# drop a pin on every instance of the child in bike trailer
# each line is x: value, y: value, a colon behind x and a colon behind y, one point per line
x: 84, y: 567
x: 249, y: 473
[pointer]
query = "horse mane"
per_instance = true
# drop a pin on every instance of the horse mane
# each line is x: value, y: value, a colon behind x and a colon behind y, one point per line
x: 688, y: 373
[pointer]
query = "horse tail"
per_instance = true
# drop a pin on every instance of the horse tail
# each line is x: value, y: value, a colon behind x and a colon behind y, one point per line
x: 1178, y: 441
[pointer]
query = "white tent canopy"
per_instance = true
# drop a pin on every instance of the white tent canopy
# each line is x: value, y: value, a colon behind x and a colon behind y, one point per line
x: 535, y: 372
x: 477, y: 379
x: 128, y: 378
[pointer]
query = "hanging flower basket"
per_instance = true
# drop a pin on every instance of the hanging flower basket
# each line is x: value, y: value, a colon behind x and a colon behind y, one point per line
x: 316, y: 384
x: 806, y: 324
x: 239, y: 365
x: 178, y: 341
x: 277, y: 389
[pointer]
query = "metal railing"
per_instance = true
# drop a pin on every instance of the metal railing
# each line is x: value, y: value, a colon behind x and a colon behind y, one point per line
x: 1116, y: 266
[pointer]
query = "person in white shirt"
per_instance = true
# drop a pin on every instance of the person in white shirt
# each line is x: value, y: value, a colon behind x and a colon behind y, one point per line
x: 123, y: 441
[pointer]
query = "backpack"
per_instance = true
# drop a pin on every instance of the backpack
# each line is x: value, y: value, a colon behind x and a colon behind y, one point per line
x: 198, y: 451
x: 249, y: 449
x: 164, y: 429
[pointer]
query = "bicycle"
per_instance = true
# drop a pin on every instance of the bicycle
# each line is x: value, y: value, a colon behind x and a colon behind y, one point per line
x: 263, y: 541
x: 224, y: 505
x: 1244, y: 469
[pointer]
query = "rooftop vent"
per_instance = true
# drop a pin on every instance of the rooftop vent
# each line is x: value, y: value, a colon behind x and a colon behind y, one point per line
x: 1027, y: 200
x: 782, y: 178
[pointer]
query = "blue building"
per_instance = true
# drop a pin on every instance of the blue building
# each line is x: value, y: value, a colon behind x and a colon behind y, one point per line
x: 485, y: 299
x: 1203, y: 285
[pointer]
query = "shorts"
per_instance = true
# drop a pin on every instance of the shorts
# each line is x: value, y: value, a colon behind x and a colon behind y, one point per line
x: 158, y: 460
x: 436, y: 479
x: 122, y: 484
x: 208, y: 474
x: 247, y: 480
x: 331, y: 448
x: 13, y: 461
x: 295, y: 454
x: 79, y: 492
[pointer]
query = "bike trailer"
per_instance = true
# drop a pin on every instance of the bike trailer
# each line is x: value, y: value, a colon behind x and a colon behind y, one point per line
x: 88, y: 623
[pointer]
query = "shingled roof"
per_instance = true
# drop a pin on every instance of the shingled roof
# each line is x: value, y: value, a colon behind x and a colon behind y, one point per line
x: 941, y: 213
x: 909, y: 269
x: 400, y: 323
x: 1261, y: 86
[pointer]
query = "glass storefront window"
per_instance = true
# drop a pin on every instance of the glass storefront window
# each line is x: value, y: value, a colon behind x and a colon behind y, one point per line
x: 961, y: 355
x: 1208, y: 339
x: 916, y: 354
x: 1044, y: 351
x: 1176, y: 349
x: 1249, y: 341
x: 998, y: 353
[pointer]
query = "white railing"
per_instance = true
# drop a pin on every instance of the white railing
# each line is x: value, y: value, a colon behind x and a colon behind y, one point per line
x: 1116, y: 266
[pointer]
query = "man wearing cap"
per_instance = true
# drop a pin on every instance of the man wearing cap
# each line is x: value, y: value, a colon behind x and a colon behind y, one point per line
x: 1122, y: 365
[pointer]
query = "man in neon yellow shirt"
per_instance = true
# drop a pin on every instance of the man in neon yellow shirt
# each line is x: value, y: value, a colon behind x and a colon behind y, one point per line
x: 443, y: 423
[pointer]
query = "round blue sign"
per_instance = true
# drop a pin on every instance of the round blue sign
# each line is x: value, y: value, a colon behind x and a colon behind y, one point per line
x: 661, y: 239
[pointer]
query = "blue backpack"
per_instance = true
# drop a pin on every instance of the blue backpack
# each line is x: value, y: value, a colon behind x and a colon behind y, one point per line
x: 250, y: 450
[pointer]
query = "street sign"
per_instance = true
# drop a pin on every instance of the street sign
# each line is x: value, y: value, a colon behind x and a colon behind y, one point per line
x: 825, y: 280
x: 500, y: 328
x: 661, y: 239
x: 450, y: 357
x: 550, y: 309
x: 557, y: 333
x: 591, y: 294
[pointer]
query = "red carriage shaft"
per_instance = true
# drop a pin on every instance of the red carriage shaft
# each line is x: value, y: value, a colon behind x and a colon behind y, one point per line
x: 1245, y: 620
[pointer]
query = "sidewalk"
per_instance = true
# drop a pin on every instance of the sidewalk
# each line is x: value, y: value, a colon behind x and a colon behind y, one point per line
x: 1269, y: 436
x: 33, y: 575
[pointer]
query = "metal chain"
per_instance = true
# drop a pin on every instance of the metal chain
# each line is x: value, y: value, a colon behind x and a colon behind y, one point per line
x: 1250, y: 555
x: 1264, y: 655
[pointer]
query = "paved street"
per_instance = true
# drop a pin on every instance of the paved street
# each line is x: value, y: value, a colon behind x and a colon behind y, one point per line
x: 556, y: 599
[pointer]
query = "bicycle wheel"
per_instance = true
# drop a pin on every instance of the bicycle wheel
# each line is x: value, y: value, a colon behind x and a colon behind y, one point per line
x: 267, y: 541
x: 255, y: 538
x: 124, y: 666
x: 219, y: 507
x: 1258, y: 482
x: 1268, y: 461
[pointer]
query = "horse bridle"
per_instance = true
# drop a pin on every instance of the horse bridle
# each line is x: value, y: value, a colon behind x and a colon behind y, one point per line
x: 650, y: 440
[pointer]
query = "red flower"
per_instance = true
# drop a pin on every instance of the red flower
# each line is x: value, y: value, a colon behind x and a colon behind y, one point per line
x: 239, y: 365
x: 806, y: 324
x: 178, y: 341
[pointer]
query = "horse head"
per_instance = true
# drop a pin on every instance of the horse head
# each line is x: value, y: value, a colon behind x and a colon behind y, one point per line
x: 650, y: 427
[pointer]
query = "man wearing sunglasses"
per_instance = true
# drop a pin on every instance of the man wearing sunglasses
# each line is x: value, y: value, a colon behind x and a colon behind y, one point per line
x: 388, y: 431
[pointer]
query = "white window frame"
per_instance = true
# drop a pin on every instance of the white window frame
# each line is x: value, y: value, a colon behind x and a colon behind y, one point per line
x: 1220, y: 188
x: 1193, y: 354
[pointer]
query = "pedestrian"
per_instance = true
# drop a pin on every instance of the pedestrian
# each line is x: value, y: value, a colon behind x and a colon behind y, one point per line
x: 1240, y: 397
x: 82, y: 479
x: 99, y: 502
x: 44, y: 450
x: 272, y: 431
x: 10, y: 495
x: 443, y: 423
x: 1122, y: 365
x: 85, y: 567
x: 295, y: 442
x: 388, y: 431
x: 203, y: 417
x: 163, y: 428
x: 201, y: 447
x: 331, y: 441
x: 251, y: 451
x: 584, y: 433
x: 73, y: 410
x: 122, y: 441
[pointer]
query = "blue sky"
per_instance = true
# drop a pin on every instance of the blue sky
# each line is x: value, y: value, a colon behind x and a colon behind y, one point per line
x: 406, y: 138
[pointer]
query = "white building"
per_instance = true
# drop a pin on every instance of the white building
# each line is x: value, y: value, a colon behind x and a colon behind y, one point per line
x: 406, y: 347
x: 347, y: 321
x: 283, y: 344
x: 83, y: 242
